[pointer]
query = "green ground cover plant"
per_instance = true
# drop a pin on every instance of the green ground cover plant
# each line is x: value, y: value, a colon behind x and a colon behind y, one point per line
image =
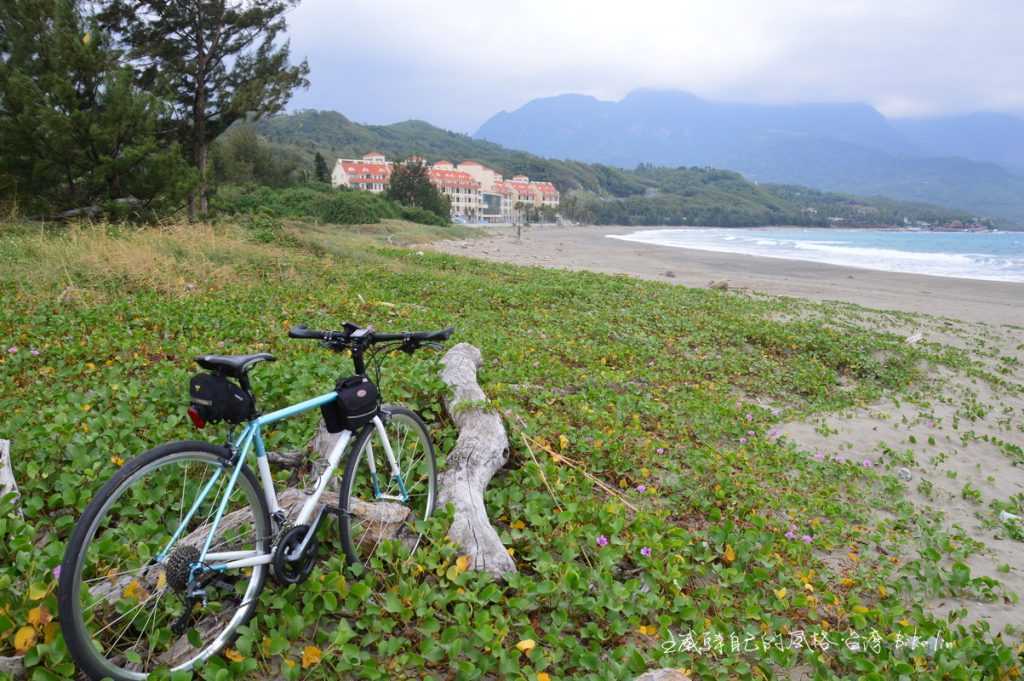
x: 668, y: 395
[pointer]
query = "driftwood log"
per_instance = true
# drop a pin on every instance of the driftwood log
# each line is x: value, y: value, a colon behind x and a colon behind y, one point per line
x: 480, y: 451
x: 7, y: 483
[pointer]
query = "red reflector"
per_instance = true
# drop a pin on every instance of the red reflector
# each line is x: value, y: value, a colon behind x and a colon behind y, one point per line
x: 197, y: 420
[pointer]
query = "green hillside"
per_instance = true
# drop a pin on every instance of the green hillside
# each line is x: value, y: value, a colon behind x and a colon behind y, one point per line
x: 598, y: 193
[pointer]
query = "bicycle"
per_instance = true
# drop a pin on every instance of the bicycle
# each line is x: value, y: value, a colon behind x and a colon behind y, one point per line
x: 168, y: 560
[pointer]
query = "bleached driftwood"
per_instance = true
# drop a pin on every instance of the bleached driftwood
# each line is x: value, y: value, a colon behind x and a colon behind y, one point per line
x: 8, y: 485
x: 13, y: 667
x: 480, y: 451
x: 663, y: 675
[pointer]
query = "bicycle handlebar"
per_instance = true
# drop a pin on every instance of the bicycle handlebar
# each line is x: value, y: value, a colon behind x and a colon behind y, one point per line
x: 367, y: 336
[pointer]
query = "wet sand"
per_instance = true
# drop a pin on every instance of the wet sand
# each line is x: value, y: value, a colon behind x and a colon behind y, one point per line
x: 588, y: 248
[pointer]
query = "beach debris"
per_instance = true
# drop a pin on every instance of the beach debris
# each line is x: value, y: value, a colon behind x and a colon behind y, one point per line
x: 914, y: 338
x: 480, y: 451
x: 670, y: 274
x: 7, y: 483
x: 719, y: 285
x: 663, y: 675
x: 1006, y: 515
x: 904, y: 474
x: 13, y: 666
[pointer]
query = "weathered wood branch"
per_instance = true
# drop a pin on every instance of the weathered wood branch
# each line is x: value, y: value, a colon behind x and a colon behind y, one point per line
x: 480, y: 451
x: 14, y: 667
x: 8, y: 485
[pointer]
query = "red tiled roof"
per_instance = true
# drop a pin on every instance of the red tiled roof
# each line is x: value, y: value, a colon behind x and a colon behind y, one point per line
x: 452, y: 178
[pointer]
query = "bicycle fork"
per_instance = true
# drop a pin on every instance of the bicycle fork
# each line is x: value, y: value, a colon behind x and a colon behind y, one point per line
x: 396, y: 473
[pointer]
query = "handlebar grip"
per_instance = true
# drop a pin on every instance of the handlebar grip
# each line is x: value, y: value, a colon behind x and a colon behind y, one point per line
x: 301, y: 331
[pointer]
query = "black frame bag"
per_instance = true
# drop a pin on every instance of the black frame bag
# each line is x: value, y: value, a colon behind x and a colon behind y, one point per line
x: 216, y: 398
x: 357, y: 403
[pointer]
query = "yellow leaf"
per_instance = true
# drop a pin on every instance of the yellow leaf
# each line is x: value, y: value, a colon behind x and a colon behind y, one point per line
x: 161, y: 581
x: 134, y: 590
x: 310, y: 656
x: 780, y: 593
x: 24, y: 639
x: 116, y: 460
x: 730, y: 555
x: 50, y: 632
x: 846, y: 581
x: 882, y: 591
x: 265, y: 646
x: 518, y: 525
x: 808, y: 586
x: 233, y: 655
x: 37, y: 592
x: 563, y: 442
x: 860, y: 609
x: 526, y: 645
x: 462, y: 563
x: 543, y: 676
x: 648, y: 629
x: 39, y: 616
x: 511, y: 551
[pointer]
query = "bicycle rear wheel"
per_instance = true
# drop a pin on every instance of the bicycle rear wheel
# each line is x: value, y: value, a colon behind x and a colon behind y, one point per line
x: 123, y: 594
x: 381, y: 508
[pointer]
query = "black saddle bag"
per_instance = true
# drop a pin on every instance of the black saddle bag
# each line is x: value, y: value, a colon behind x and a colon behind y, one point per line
x: 218, y: 399
x: 357, y: 403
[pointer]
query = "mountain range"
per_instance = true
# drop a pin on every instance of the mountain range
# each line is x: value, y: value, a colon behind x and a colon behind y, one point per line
x: 594, y: 192
x: 973, y: 162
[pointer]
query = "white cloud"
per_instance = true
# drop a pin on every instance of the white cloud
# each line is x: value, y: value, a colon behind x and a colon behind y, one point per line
x: 457, y: 62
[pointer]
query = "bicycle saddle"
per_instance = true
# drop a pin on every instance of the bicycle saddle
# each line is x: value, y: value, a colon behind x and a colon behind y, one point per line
x: 234, y: 366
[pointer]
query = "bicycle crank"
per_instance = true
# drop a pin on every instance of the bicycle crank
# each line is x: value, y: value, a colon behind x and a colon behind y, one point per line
x: 295, y: 556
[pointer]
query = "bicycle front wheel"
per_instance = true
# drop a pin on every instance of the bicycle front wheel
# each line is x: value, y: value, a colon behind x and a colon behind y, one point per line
x: 377, y: 506
x: 132, y: 594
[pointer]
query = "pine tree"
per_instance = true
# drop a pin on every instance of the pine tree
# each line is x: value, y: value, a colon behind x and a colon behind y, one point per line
x: 75, y: 132
x: 217, y: 61
x: 320, y: 166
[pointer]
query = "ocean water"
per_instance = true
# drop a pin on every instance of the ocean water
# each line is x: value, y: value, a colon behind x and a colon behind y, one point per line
x: 995, y: 256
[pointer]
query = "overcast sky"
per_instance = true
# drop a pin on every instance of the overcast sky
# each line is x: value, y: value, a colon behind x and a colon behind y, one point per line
x: 455, y: 63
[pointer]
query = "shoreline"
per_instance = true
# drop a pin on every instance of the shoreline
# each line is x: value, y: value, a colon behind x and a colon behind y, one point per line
x: 587, y: 248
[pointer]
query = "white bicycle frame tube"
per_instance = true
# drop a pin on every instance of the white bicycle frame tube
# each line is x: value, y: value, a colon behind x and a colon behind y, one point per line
x: 231, y: 560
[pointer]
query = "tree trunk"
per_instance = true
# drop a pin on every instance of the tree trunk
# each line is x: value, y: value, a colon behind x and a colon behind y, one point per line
x: 480, y: 451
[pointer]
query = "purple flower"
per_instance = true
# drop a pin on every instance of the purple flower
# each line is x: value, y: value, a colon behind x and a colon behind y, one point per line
x: 776, y: 411
x: 820, y: 456
x: 645, y: 551
x: 33, y: 352
x: 602, y: 540
x: 660, y: 450
x: 931, y: 424
x: 867, y: 463
x: 773, y: 433
x: 56, y: 572
x: 749, y: 417
x: 641, y: 488
x: 751, y: 433
x: 13, y: 349
x: 839, y: 458
x: 807, y: 539
x: 743, y: 440
x: 790, y: 534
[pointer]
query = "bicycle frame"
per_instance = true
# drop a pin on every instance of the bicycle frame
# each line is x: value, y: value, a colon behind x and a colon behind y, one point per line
x: 250, y: 439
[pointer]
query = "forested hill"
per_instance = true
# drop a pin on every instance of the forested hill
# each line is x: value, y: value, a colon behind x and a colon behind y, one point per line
x: 599, y: 193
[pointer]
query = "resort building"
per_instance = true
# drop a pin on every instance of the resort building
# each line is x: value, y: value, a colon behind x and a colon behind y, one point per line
x: 460, y: 188
x: 370, y: 173
x: 476, y: 191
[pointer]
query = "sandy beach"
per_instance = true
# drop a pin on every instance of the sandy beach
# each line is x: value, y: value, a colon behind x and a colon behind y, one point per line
x: 588, y: 248
x: 956, y: 448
